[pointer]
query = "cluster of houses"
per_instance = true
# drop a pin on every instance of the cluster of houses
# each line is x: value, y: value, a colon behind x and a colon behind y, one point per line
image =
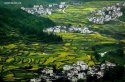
x: 69, y: 29
x: 107, y: 14
x: 45, y: 9
x: 74, y: 72
x: 76, y: 3
x: 12, y: 3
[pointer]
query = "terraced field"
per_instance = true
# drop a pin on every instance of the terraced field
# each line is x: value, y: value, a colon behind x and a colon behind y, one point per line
x: 77, y: 15
x: 21, y: 60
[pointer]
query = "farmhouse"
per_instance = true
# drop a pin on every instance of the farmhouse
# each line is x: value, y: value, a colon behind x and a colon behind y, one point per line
x: 62, y: 5
x: 35, y: 80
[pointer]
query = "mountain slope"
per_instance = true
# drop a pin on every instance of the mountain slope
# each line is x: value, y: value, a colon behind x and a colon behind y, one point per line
x: 19, y: 24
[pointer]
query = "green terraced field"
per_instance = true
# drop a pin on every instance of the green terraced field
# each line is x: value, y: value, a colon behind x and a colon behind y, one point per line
x: 72, y: 49
x: 17, y: 57
x: 77, y: 15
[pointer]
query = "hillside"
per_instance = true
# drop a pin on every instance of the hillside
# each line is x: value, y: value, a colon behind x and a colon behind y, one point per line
x: 25, y: 50
x: 77, y: 15
x: 17, y: 25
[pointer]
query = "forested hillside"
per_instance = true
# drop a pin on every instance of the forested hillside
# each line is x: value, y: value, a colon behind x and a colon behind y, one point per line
x: 17, y: 24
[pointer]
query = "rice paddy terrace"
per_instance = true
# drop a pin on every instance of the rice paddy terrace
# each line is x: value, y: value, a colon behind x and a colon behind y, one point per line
x: 21, y: 60
x: 78, y: 14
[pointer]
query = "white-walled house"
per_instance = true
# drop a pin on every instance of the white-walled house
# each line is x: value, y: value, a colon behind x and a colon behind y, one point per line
x: 45, y: 9
x: 65, y: 29
x: 35, y: 80
x: 81, y: 76
x: 66, y: 67
x: 74, y: 72
x: 102, y: 54
x: 47, y: 71
x: 109, y: 64
x: 106, y: 14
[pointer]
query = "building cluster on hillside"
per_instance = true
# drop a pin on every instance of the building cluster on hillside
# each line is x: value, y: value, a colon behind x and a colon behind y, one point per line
x: 45, y: 9
x: 64, y: 29
x: 107, y: 14
x: 74, y: 72
x: 76, y: 3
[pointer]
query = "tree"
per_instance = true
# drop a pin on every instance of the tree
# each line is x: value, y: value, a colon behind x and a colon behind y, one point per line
x: 81, y: 80
x: 114, y: 74
x: 97, y: 56
x: 62, y: 79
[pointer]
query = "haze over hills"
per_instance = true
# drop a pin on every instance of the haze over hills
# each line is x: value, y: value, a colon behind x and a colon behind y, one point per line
x: 32, y: 2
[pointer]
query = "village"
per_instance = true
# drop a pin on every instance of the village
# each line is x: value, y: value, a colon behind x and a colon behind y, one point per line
x: 71, y: 41
x: 81, y: 70
x: 107, y: 14
x: 69, y: 29
x: 46, y: 9
x: 74, y: 72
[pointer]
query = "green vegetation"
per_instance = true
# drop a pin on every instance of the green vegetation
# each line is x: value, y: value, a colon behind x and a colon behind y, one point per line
x: 18, y: 25
x: 117, y: 72
x: 78, y: 14
x: 19, y: 29
x: 24, y: 48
